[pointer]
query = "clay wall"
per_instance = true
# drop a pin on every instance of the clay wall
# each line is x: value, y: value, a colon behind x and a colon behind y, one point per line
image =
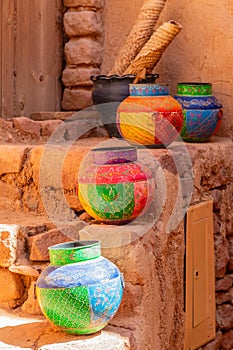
x: 202, y: 51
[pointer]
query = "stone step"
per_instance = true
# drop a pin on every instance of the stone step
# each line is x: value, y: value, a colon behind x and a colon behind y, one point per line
x: 20, y: 332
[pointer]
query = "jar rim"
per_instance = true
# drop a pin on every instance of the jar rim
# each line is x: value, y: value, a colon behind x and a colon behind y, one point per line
x: 194, y: 83
x: 150, y: 84
x: 120, y: 77
x: 114, y: 149
x: 74, y: 244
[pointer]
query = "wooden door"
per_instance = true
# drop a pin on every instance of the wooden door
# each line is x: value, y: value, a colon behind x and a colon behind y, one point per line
x: 31, y: 56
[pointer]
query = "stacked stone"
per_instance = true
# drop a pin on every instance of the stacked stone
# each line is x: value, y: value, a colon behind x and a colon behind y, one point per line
x: 223, y: 271
x: 221, y: 189
x: 83, y: 25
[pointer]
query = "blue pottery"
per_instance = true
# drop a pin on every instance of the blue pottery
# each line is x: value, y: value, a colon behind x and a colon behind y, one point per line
x: 202, y: 111
x: 80, y: 291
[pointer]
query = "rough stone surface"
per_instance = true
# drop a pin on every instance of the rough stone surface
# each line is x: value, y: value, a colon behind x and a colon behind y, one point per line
x: 84, y: 3
x: 221, y: 255
x: 14, y: 286
x: 25, y: 270
x: 83, y: 51
x: 227, y: 340
x: 18, y: 331
x: 48, y: 127
x: 10, y: 195
x: 81, y: 23
x: 223, y: 297
x: 225, y: 316
x: 8, y: 244
x: 224, y: 283
x: 104, y: 341
x: 159, y: 282
x: 230, y: 262
x: 215, y: 344
x: 31, y: 306
x: 75, y: 99
x: 38, y: 245
x: 79, y: 76
x: 12, y: 159
x: 27, y: 126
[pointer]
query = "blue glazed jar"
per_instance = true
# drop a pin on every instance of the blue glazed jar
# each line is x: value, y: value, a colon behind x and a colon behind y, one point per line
x: 202, y: 111
x: 80, y: 291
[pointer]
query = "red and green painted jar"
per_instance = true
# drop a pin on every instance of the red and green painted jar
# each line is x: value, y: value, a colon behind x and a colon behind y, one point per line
x: 150, y: 115
x: 115, y: 187
x: 202, y: 111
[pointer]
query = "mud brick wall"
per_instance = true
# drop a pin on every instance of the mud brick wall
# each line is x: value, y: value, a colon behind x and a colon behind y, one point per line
x: 152, y: 310
x: 83, y: 25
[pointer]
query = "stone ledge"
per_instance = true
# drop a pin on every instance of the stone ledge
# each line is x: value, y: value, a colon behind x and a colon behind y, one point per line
x: 18, y: 332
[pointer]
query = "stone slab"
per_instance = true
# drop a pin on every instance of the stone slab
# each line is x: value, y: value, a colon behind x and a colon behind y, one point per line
x: 19, y: 332
x: 51, y: 115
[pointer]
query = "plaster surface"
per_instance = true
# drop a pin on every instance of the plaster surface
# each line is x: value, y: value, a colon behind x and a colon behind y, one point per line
x: 202, y: 51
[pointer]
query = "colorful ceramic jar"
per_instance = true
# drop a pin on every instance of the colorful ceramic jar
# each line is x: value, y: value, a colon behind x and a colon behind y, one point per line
x: 115, y: 187
x: 113, y: 88
x: 150, y: 115
x: 202, y: 112
x: 80, y: 291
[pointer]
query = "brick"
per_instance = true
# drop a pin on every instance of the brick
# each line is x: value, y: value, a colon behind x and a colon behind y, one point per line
x: 76, y: 99
x: 84, y: 3
x: 8, y: 244
x: 27, y: 126
x: 14, y: 283
x: 78, y: 76
x: 38, y: 245
x: 11, y: 158
x: 81, y: 23
x: 83, y: 51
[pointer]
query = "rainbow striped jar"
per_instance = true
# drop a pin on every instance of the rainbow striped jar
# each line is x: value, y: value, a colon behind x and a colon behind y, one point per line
x: 150, y: 115
x: 115, y: 187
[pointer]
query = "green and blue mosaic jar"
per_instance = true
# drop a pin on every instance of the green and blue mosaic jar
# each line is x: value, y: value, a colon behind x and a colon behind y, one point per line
x: 202, y: 111
x: 80, y: 291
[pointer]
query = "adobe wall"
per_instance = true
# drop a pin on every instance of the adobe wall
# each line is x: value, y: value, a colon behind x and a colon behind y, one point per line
x: 151, y: 314
x: 202, y: 51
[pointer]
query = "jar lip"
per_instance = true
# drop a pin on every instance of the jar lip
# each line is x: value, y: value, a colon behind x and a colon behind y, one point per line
x: 115, y: 149
x: 194, y: 83
x: 120, y: 77
x: 114, y: 155
x: 151, y: 84
x: 74, y: 244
